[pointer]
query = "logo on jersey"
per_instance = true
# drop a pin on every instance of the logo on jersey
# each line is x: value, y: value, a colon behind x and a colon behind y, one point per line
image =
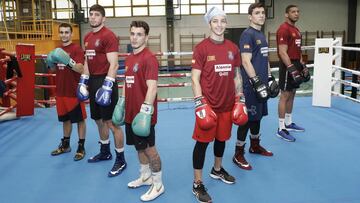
x: 193, y: 61
x: 97, y: 42
x: 264, y: 51
x: 252, y: 110
x: 129, y: 81
x: 293, y: 34
x: 90, y: 53
x: 246, y: 46
x: 211, y: 58
x: 136, y: 67
x: 230, y: 55
x: 61, y: 66
x: 281, y: 39
x: 222, y: 69
x: 258, y: 41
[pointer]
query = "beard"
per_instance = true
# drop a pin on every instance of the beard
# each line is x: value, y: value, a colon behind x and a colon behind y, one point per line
x: 95, y: 26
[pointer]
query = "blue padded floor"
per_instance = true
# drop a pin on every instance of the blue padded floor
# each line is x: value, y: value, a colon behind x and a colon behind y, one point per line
x: 322, y: 166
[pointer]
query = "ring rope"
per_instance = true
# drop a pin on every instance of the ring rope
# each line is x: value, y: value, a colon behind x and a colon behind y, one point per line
x: 345, y: 82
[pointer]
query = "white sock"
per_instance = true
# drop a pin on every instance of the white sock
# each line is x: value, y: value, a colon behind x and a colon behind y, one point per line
x: 281, y: 123
x: 157, y: 179
x: 105, y: 141
x: 254, y: 136
x: 240, y: 143
x: 145, y: 170
x: 288, y: 119
x: 119, y: 150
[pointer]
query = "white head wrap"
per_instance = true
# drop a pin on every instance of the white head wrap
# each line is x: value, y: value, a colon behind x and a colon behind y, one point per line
x: 214, y: 11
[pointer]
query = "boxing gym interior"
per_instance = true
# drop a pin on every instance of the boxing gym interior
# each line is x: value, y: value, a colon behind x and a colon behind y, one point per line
x: 321, y: 166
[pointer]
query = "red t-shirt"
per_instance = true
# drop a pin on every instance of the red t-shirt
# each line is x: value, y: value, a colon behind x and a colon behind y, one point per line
x: 139, y: 68
x: 217, y: 63
x: 97, y: 44
x: 289, y: 35
x: 67, y: 79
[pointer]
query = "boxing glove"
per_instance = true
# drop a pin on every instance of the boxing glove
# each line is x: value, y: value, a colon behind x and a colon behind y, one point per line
x: 239, y: 112
x: 60, y: 56
x: 305, y: 73
x: 205, y: 116
x: 82, y: 92
x: 103, y: 94
x: 259, y: 88
x: 142, y: 121
x: 273, y: 87
x: 50, y: 62
x: 118, y: 117
x: 295, y: 74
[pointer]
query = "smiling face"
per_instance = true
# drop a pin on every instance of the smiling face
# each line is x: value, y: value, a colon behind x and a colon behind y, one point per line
x: 217, y: 27
x: 65, y: 34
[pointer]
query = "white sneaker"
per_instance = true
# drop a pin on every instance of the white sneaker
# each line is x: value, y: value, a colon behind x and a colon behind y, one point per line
x: 140, y: 182
x: 152, y: 193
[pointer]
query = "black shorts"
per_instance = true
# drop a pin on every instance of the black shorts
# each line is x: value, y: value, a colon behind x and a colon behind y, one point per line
x: 286, y: 83
x: 140, y: 143
x: 101, y: 112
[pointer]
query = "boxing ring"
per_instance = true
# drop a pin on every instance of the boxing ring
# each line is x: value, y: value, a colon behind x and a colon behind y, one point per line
x: 319, y: 167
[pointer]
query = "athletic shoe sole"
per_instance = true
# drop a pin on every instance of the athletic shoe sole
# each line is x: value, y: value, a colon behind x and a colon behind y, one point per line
x: 285, y: 138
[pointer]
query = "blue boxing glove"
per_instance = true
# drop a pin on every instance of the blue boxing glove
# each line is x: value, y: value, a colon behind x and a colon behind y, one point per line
x: 118, y: 117
x: 60, y: 56
x: 50, y: 61
x: 103, y: 94
x: 82, y: 92
x: 142, y: 121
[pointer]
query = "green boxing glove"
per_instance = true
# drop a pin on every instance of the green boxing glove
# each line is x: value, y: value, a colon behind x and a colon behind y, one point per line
x: 50, y: 61
x: 142, y: 121
x: 118, y: 117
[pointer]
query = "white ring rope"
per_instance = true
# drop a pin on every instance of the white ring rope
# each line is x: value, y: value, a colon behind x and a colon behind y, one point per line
x: 344, y: 96
x: 347, y: 70
x: 345, y: 82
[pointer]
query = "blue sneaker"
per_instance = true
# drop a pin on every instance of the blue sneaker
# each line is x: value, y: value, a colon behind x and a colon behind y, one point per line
x: 294, y: 127
x: 285, y: 135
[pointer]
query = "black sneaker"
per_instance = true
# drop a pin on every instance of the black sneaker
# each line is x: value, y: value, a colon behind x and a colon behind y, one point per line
x: 222, y: 175
x: 104, y: 154
x: 201, y: 194
x: 63, y: 147
x: 80, y: 152
x: 119, y: 165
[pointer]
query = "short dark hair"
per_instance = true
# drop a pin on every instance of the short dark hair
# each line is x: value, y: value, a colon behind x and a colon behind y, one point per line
x: 99, y: 8
x: 66, y: 25
x: 289, y: 7
x: 140, y: 23
x: 253, y: 6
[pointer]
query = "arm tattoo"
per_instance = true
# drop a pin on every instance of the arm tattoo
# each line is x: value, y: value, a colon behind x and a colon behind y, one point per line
x: 239, y: 81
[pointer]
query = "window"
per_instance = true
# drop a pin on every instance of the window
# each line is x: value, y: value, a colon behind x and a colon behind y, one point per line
x: 128, y: 8
x: 188, y: 7
x: 62, y: 9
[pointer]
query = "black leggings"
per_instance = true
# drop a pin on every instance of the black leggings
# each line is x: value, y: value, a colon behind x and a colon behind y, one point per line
x: 200, y: 152
x: 242, y: 131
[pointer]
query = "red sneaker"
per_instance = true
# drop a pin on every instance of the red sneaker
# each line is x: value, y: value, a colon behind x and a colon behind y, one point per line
x: 256, y: 148
x: 239, y: 158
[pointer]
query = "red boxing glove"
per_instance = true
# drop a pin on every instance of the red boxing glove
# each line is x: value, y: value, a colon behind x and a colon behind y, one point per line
x: 205, y: 116
x: 239, y: 113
